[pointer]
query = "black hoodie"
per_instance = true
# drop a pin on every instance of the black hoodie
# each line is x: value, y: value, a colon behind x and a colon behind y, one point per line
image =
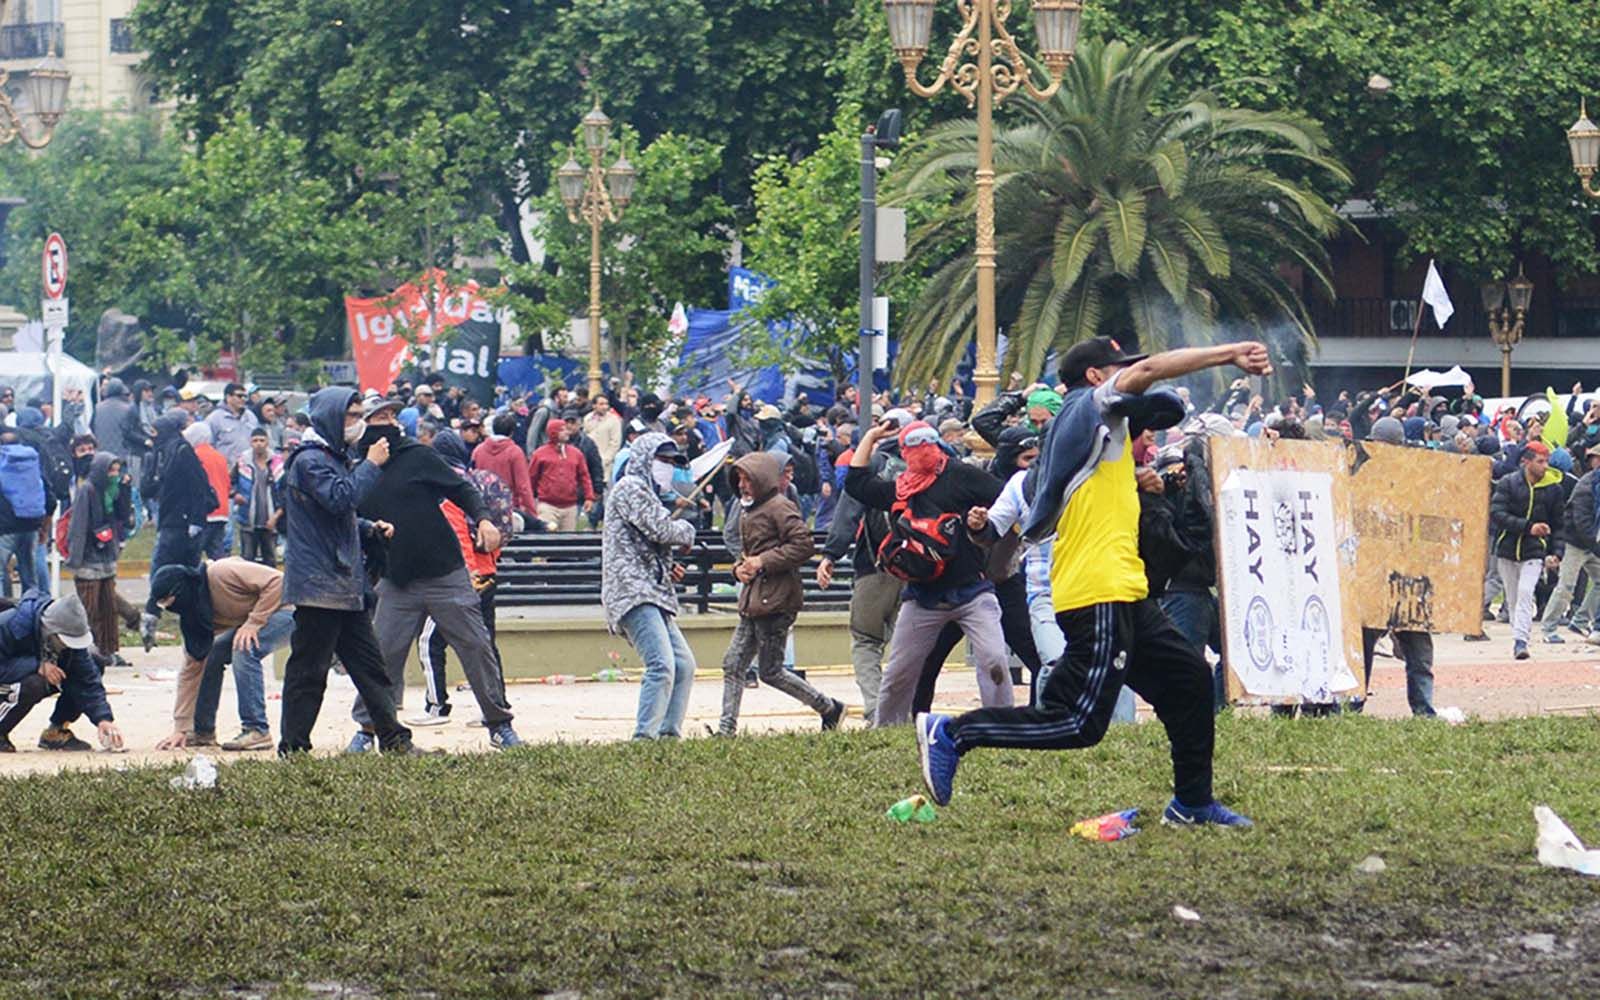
x: 414, y: 482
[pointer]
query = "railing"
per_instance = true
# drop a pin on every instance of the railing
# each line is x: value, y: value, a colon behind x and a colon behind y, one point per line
x: 32, y: 41
x: 122, y: 40
x: 1386, y: 318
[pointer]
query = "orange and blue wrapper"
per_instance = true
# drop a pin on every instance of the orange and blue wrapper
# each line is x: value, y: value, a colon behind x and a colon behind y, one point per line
x: 1104, y: 829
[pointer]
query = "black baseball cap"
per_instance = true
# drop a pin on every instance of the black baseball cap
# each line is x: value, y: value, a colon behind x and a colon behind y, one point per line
x: 1097, y: 352
x: 670, y: 452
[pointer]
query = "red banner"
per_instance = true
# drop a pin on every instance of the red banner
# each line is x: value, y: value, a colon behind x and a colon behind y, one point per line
x: 391, y: 332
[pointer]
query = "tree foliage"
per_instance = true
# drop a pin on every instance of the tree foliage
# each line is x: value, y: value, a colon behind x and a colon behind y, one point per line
x: 97, y: 165
x: 668, y: 247
x: 1466, y: 152
x: 1119, y: 215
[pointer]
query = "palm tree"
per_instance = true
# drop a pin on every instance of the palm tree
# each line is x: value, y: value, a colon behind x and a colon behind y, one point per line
x: 1113, y: 216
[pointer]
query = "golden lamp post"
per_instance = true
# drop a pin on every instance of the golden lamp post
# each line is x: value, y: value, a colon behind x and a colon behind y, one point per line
x: 985, y: 64
x: 1584, y: 140
x: 1505, y: 325
x: 597, y: 196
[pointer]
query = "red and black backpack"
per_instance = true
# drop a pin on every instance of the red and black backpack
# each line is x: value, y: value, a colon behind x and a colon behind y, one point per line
x: 918, y: 549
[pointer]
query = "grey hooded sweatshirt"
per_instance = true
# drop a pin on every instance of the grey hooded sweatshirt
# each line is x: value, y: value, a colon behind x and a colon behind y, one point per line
x: 640, y: 534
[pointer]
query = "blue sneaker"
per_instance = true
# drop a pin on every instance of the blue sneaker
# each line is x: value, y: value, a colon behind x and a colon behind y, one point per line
x: 939, y: 755
x: 1212, y: 814
x: 503, y: 737
x: 362, y: 742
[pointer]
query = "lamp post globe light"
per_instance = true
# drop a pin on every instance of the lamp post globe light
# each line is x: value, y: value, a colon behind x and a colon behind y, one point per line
x: 1506, y: 324
x: 1583, y: 139
x: 596, y: 195
x: 986, y: 65
x: 45, y: 89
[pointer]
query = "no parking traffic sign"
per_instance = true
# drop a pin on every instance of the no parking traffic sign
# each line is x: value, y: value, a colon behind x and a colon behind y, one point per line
x: 55, y: 266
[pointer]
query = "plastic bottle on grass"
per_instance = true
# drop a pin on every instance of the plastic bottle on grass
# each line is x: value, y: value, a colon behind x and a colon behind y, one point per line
x: 609, y: 675
x: 916, y: 809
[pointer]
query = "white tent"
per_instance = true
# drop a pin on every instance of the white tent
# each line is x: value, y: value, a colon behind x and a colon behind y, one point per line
x: 28, y: 375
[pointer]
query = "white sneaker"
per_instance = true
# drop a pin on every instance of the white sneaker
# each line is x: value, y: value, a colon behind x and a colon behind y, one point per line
x: 428, y: 719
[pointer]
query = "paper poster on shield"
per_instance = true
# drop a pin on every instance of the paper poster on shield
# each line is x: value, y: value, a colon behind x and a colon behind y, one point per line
x: 1279, y: 573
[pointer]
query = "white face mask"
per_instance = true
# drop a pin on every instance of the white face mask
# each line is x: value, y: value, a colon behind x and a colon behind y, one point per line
x: 353, y: 432
x: 661, y: 472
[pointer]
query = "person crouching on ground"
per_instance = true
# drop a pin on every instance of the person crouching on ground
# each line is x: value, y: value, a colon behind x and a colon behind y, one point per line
x: 638, y: 584
x: 775, y: 543
x: 228, y: 609
x: 44, y: 648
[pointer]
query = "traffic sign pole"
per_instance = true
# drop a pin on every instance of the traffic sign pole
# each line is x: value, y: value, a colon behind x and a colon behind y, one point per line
x: 54, y: 313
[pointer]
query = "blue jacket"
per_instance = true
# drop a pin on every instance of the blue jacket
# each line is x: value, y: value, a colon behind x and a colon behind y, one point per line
x: 1073, y: 444
x: 19, y: 657
x: 322, y: 540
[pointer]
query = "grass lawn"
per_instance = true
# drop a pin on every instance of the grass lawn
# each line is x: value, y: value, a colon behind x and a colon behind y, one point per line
x: 765, y: 867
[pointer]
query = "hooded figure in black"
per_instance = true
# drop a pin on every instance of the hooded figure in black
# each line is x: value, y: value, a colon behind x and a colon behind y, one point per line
x: 184, y: 495
x: 426, y: 576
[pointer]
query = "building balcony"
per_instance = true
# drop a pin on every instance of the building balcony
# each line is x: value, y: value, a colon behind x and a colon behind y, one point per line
x: 32, y: 41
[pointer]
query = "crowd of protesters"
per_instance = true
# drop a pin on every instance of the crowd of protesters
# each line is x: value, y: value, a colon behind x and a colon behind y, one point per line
x: 387, y: 511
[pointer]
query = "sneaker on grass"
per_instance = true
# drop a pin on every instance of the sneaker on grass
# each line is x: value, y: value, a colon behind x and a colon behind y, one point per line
x: 61, y: 738
x: 249, y: 739
x: 1213, y: 813
x: 362, y: 742
x: 939, y: 756
x: 830, y: 718
x: 432, y: 717
x: 503, y: 737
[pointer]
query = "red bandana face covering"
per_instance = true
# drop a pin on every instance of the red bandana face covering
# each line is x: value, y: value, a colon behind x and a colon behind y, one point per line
x: 925, y: 460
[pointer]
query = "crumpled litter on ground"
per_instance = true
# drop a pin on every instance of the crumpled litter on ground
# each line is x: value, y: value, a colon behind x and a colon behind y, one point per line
x: 1453, y: 715
x: 201, y: 773
x: 1184, y: 913
x: 1559, y: 847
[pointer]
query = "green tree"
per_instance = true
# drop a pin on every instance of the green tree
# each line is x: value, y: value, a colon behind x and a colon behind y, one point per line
x: 807, y: 238
x: 245, y: 245
x: 1464, y: 153
x: 669, y: 247
x: 1116, y: 214
x: 81, y: 187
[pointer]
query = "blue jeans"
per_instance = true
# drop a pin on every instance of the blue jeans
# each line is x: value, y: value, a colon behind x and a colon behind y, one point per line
x: 21, y: 545
x: 1194, y: 614
x: 1052, y: 646
x: 668, y: 672
x: 247, y: 675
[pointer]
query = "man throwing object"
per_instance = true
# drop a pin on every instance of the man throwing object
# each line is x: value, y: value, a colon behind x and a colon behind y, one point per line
x: 1085, y: 494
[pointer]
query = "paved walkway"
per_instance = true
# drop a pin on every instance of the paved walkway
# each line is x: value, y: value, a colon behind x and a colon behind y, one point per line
x: 1480, y: 678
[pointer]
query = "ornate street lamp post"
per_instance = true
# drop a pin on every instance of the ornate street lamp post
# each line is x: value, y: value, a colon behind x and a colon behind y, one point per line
x: 1505, y: 325
x: 597, y: 196
x: 45, y: 88
x: 1583, y: 138
x: 993, y: 72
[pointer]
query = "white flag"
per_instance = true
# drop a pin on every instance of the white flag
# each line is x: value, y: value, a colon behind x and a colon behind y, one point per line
x: 678, y: 325
x: 1433, y: 294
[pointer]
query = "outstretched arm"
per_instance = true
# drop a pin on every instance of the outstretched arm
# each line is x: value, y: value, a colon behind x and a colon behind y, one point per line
x: 1250, y: 356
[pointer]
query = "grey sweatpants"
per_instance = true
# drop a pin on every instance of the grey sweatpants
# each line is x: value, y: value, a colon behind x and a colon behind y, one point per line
x: 874, y: 603
x: 453, y: 605
x: 764, y: 637
x: 915, y: 632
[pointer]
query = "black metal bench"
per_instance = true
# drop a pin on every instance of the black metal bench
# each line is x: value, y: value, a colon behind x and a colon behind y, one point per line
x: 563, y: 569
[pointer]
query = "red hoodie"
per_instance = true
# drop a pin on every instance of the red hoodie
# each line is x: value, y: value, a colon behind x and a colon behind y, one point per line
x: 504, y: 458
x: 558, y: 474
